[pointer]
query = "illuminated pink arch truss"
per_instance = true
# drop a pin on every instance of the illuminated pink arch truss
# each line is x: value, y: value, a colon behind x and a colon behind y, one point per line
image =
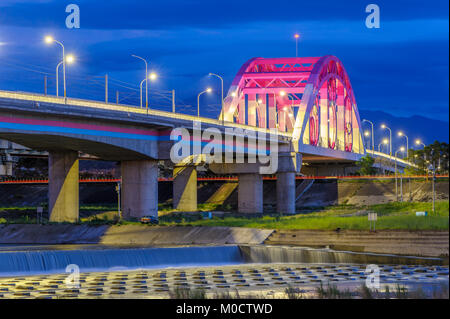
x: 310, y: 97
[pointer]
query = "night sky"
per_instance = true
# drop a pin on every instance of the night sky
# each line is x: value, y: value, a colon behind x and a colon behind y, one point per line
x: 401, y: 68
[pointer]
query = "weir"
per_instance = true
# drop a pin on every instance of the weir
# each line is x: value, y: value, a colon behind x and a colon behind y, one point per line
x: 55, y: 261
x: 44, y: 259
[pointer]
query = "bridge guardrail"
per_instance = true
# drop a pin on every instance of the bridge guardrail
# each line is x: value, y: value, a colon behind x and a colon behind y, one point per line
x: 125, y: 108
x: 393, y: 158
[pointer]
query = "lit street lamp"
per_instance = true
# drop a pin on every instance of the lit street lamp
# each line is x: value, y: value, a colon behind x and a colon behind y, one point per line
x: 407, y: 158
x: 208, y: 90
x: 366, y: 134
x: 383, y: 126
x: 151, y: 77
x: 48, y: 40
x: 221, y: 100
x: 419, y: 142
x: 385, y: 142
x: 402, y: 149
x: 407, y: 143
x: 373, y: 143
x: 296, y: 36
x: 69, y: 59
x: 146, y: 77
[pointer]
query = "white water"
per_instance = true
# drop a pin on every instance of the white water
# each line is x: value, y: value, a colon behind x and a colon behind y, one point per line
x: 32, y: 260
x: 27, y: 262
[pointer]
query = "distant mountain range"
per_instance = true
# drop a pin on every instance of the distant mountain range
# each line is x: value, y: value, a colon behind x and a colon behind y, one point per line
x: 415, y: 127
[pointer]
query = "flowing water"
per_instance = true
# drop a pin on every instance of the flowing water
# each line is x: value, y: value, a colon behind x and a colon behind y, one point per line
x: 43, y: 259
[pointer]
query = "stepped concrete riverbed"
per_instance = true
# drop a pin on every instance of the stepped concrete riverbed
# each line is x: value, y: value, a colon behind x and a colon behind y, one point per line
x: 39, y: 271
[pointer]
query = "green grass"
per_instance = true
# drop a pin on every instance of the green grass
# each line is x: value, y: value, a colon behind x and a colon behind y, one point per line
x: 330, y: 223
x: 391, y: 216
x: 399, y: 215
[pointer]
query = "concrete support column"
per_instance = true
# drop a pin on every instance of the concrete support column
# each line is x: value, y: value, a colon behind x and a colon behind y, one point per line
x: 286, y: 193
x: 250, y: 193
x: 63, y: 186
x: 185, y: 188
x: 139, y: 188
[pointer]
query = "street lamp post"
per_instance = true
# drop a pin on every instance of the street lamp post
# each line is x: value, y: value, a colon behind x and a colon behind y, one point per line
x: 419, y: 142
x: 69, y: 59
x: 140, y: 90
x: 373, y: 143
x: 402, y: 149
x: 385, y: 142
x: 407, y: 158
x: 383, y: 126
x: 296, y: 36
x: 146, y: 77
x: 208, y: 90
x: 366, y: 134
x: 152, y: 76
x: 49, y: 39
x: 221, y: 81
x: 57, y: 77
x: 407, y: 143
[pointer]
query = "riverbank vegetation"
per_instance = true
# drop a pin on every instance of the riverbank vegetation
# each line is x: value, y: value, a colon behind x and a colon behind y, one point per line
x: 399, y: 215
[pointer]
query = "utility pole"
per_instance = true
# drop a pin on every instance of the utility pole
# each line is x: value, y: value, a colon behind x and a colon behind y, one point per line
x: 119, y: 211
x: 433, y: 180
x: 117, y: 97
x: 409, y: 188
x: 401, y: 188
x: 396, y: 184
x: 45, y: 85
x: 106, y: 88
x: 434, y: 192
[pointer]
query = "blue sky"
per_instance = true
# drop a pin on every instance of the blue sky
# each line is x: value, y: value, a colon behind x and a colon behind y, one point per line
x: 401, y: 68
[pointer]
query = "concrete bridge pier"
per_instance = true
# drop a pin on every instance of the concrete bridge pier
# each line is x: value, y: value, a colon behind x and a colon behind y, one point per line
x: 139, y: 188
x: 250, y: 193
x: 286, y: 193
x: 185, y: 188
x: 63, y: 186
x: 289, y: 163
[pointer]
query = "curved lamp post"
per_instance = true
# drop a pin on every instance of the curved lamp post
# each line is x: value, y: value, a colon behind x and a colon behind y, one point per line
x: 151, y: 77
x: 50, y: 39
x: 69, y: 59
x: 146, y: 77
x: 208, y: 90
x: 373, y: 143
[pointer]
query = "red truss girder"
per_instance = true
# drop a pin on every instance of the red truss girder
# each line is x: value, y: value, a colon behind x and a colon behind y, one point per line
x: 265, y: 92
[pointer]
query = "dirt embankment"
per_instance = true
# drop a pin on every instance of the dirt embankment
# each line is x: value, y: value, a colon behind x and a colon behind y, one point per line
x: 321, y: 193
x: 327, y: 193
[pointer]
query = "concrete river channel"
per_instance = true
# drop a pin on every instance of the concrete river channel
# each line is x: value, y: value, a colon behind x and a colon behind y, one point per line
x: 97, y: 271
